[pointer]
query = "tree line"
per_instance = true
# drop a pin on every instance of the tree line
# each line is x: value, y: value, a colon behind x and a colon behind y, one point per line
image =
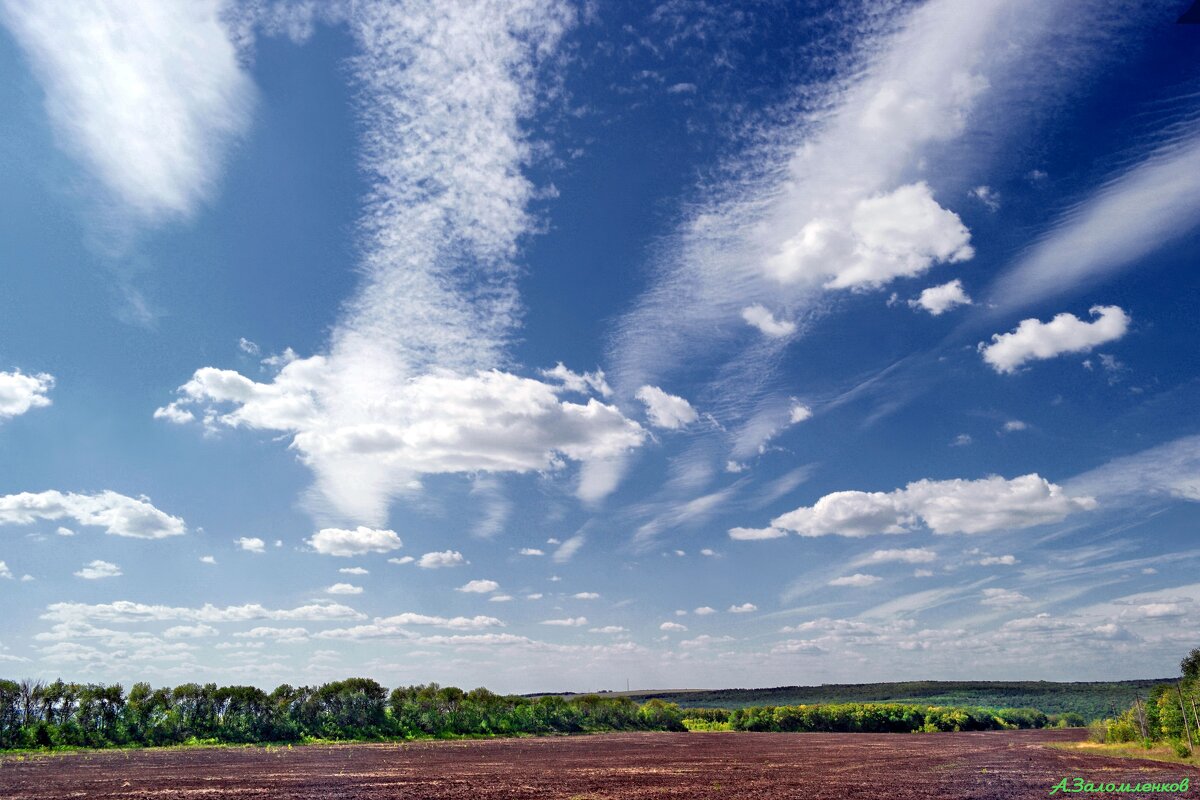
x: 872, y: 718
x: 58, y: 714
x: 1170, y: 713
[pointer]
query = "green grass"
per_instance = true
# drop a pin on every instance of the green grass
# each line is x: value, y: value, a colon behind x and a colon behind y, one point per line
x: 1160, y: 751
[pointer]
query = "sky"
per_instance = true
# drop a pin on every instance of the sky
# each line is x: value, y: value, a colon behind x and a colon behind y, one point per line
x: 547, y: 345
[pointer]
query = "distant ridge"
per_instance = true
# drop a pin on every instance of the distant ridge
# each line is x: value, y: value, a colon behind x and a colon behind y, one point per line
x: 1091, y: 699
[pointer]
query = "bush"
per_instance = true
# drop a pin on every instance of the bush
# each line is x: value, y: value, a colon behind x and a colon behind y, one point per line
x: 1181, y: 748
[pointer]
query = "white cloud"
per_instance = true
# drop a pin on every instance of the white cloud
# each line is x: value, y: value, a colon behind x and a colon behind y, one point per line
x: 500, y: 598
x: 1148, y: 205
x: 1014, y: 425
x: 744, y: 608
x: 149, y: 96
x: 117, y: 514
x: 760, y: 317
x: 534, y: 596
x: 61, y: 531
x: 1171, y: 470
x: 951, y: 506
x: 94, y: 570
x: 586, y: 596
x: 708, y: 551
x: 937, y: 300
x: 1003, y: 598
x: 991, y: 561
x: 567, y: 550
x: 437, y: 423
x: 569, y: 622
x: 666, y: 410
x: 672, y: 626
x: 344, y: 588
x: 581, y: 383
x: 251, y: 544
x: 20, y: 392
x: 858, y: 579
x: 123, y: 611
x: 478, y: 587
x: 361, y: 540
x: 704, y: 611
x: 445, y: 558
x: 1034, y: 340
x: 5, y: 572
x: 409, y: 384
x: 608, y: 629
x: 248, y: 347
x: 354, y: 571
x: 531, y: 551
x: 799, y: 413
x: 457, y: 623
x: 988, y: 196
x: 282, y: 635
x: 962, y: 440
x: 198, y: 631
x: 888, y: 235
x: 908, y: 555
x: 173, y: 413
x: 402, y: 560
x: 755, y: 534
x: 208, y: 560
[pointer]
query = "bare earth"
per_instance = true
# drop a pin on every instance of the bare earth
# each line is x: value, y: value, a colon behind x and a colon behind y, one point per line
x: 681, y: 766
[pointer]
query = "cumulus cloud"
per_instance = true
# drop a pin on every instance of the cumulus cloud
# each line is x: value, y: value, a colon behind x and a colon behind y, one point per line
x: 704, y: 611
x: 198, y: 631
x: 402, y: 560
x: 988, y: 196
x: 952, y: 506
x: 159, y: 86
x: 569, y: 622
x: 858, y: 579
x: 937, y: 300
x: 126, y: 611
x: 208, y: 560
x: 672, y: 626
x: 579, y: 382
x: 1014, y: 425
x: 438, y: 560
x: 744, y: 608
x: 354, y: 571
x: 586, y: 596
x: 20, y: 392
x: 117, y: 514
x: 344, y: 588
x: 888, y: 235
x: 410, y: 383
x: 666, y: 410
x: 992, y: 561
x: 251, y: 544
x: 608, y: 629
x: 478, y: 587
x: 532, y: 551
x: 1034, y: 340
x: 908, y: 555
x: 760, y: 317
x: 361, y: 540
x: 94, y: 570
x: 5, y: 572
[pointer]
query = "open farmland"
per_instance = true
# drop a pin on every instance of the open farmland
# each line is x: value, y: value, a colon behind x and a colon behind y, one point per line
x: 1007, y: 764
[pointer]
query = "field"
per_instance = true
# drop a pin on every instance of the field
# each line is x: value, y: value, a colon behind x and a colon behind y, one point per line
x: 1091, y: 700
x: 1006, y: 764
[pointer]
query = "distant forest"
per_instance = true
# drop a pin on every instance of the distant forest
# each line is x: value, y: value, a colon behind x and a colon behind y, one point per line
x: 1090, y: 700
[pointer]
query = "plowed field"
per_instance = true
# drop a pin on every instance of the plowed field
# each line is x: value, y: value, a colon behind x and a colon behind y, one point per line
x: 1000, y: 765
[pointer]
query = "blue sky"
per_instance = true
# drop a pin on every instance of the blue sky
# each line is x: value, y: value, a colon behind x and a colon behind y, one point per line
x: 546, y: 345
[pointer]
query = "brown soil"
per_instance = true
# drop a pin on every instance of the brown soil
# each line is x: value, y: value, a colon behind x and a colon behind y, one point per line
x: 683, y: 766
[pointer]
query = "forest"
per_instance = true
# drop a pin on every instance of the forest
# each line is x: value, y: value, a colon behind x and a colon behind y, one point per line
x: 35, y: 714
x: 1170, y: 713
